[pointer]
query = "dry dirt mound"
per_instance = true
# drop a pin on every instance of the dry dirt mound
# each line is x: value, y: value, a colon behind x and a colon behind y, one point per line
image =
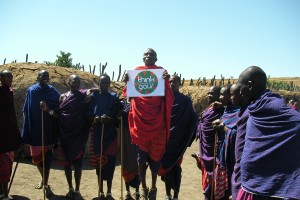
x: 25, y: 74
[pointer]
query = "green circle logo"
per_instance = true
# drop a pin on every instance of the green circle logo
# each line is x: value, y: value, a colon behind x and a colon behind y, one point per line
x: 145, y: 82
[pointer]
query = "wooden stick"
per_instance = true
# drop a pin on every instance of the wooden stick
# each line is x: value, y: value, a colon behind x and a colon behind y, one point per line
x: 214, y: 167
x: 43, y: 155
x: 122, y: 146
x: 100, y: 162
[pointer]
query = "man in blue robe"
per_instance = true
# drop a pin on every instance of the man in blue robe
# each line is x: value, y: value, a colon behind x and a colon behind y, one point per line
x: 37, y: 95
x: 182, y: 134
x: 103, y: 110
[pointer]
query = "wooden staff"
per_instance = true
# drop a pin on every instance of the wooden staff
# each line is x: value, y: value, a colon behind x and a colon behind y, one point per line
x: 43, y: 155
x: 121, y: 139
x: 100, y: 163
x: 214, y: 166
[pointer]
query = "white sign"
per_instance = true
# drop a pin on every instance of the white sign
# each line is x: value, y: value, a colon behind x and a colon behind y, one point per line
x: 146, y: 82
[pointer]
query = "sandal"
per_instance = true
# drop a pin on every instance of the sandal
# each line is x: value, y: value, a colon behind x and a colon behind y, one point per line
x: 39, y: 185
x: 144, y: 194
x: 128, y: 197
x: 48, y: 191
x: 152, y: 194
x: 109, y: 196
x: 70, y: 194
x: 77, y: 195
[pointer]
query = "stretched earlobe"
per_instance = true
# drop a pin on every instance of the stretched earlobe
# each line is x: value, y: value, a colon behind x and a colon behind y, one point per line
x: 250, y: 85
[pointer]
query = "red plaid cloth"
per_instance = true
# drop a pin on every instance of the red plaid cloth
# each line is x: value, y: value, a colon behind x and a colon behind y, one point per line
x: 95, y: 159
x: 6, y: 162
x: 221, y: 182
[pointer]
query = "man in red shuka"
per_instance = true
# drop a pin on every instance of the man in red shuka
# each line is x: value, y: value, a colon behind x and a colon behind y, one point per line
x: 149, y: 124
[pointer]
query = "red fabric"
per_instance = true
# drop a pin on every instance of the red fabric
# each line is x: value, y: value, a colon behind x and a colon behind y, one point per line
x: 243, y: 195
x: 36, y: 153
x: 204, y: 176
x: 148, y: 116
x: 127, y: 176
x: 5, y: 167
x: 95, y: 159
x: 162, y: 171
x: 61, y: 158
x: 221, y: 182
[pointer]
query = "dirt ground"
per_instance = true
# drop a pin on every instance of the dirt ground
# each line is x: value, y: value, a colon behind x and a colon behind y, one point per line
x: 27, y: 176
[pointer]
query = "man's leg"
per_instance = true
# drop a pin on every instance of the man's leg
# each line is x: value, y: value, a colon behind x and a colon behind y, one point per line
x: 68, y: 173
x: 168, y: 189
x: 4, y: 191
x: 1, y: 191
x: 48, y: 162
x: 100, y: 185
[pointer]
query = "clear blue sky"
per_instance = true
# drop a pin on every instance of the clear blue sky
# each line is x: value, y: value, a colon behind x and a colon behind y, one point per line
x: 193, y: 37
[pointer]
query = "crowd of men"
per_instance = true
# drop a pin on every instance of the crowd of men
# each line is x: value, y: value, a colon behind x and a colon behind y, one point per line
x: 248, y: 137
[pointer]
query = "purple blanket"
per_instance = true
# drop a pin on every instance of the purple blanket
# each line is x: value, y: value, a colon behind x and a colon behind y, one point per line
x: 270, y: 163
x: 206, y: 135
x: 239, y: 146
x: 74, y: 125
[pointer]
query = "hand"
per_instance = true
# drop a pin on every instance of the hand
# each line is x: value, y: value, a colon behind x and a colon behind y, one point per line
x: 44, y: 106
x: 216, y: 105
x: 126, y: 78
x: 105, y: 119
x: 218, y: 125
x: 209, y: 179
x: 89, y: 93
x: 166, y: 75
x: 97, y: 119
x: 197, y: 160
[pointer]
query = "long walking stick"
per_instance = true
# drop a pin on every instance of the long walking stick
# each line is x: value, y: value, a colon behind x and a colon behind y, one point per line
x: 43, y: 155
x: 100, y: 164
x: 121, y: 139
x: 13, y: 176
x: 214, y: 166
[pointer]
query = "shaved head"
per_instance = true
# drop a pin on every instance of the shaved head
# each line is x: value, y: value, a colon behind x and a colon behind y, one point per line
x: 252, y: 81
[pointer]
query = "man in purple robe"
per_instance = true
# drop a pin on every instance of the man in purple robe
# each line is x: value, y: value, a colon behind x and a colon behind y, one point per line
x: 206, y: 136
x: 237, y: 100
x: 226, y: 127
x: 36, y: 96
x: 72, y: 139
x: 271, y: 156
x: 10, y: 139
x: 182, y: 134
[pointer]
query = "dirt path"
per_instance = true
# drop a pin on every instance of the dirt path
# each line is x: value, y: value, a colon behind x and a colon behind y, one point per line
x: 27, y: 176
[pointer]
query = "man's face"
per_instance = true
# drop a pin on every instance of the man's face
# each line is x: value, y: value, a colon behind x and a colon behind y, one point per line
x: 175, y: 84
x: 224, y: 96
x: 245, y: 92
x: 235, y: 95
x: 104, y: 83
x: 149, y: 57
x: 7, y: 79
x: 43, y: 77
x: 74, y: 83
x: 213, y: 95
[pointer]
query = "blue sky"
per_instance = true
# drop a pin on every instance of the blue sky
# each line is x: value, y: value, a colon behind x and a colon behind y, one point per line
x: 195, y: 38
